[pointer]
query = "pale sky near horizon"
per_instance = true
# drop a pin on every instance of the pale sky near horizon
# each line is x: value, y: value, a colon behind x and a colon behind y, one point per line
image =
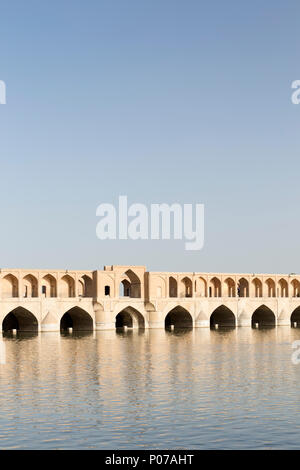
x: 163, y: 101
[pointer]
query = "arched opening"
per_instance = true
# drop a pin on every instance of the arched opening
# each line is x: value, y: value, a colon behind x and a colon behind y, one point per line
x: 257, y: 287
x: 186, y: 287
x: 270, y: 285
x: 263, y: 317
x: 215, y: 287
x: 295, y: 288
x: 178, y: 317
x: 243, y: 288
x: 78, y: 319
x: 10, y: 286
x: 130, y: 285
x: 201, y: 287
x: 222, y: 317
x: 130, y: 318
x: 20, y: 319
x: 229, y: 287
x: 49, y: 286
x: 172, y: 287
x: 283, y: 288
x: 67, y: 286
x: 30, y: 286
x: 87, y: 286
x: 295, y: 318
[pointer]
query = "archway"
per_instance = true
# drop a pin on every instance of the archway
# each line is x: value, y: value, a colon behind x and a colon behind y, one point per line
x: 172, y: 287
x: 295, y: 318
x: 49, y: 286
x: 223, y: 317
x: 229, y: 287
x: 186, y: 287
x: 179, y: 317
x: 30, y: 286
x: 264, y: 317
x: 243, y: 288
x: 78, y: 319
x: 67, y: 286
x: 20, y: 319
x: 130, y: 285
x: 131, y: 318
x: 10, y: 286
x: 270, y: 285
x: 215, y: 287
x: 257, y: 287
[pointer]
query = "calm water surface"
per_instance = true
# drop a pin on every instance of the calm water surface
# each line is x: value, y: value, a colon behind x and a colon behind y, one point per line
x: 153, y: 389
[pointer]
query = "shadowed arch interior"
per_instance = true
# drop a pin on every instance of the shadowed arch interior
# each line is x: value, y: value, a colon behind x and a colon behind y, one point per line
x: 131, y: 318
x: 179, y: 317
x: 295, y: 318
x: 264, y: 317
x: 223, y: 317
x: 20, y: 319
x: 78, y: 319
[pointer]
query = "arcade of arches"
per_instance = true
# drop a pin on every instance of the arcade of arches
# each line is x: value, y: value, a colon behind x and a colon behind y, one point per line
x: 129, y: 297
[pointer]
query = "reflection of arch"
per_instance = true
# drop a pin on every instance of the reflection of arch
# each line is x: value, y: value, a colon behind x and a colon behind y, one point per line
x: 20, y: 319
x: 49, y: 286
x: 223, y: 317
x: 179, y: 317
x: 229, y: 287
x: 243, y: 287
x: 270, y: 284
x: 30, y: 286
x: 10, y: 286
x: 186, y: 287
x: 67, y: 286
x: 131, y: 285
x: 296, y: 288
x: 172, y: 287
x: 283, y: 288
x: 78, y: 319
x: 295, y: 317
x: 257, y: 287
x: 131, y: 318
x: 263, y: 316
x: 215, y: 287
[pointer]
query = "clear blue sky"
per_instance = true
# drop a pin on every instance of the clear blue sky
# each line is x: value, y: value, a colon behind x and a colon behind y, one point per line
x: 161, y: 100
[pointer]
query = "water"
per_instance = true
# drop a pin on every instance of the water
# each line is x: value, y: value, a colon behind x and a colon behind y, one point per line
x: 154, y: 389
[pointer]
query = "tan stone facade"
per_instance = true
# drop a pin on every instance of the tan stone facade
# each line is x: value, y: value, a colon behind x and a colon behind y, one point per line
x: 129, y: 296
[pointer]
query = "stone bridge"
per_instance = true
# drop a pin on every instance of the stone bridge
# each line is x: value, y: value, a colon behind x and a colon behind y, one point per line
x: 131, y: 297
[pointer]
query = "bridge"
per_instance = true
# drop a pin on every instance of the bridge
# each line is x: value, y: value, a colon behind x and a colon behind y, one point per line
x: 131, y: 297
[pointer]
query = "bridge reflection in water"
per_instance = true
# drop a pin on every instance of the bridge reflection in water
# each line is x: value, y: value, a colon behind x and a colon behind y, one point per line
x: 151, y: 388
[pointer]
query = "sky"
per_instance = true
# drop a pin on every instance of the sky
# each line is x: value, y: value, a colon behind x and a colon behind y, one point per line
x: 164, y: 101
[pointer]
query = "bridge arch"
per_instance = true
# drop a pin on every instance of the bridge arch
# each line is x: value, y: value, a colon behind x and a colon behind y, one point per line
x: 270, y: 286
x: 243, y: 287
x: 229, y: 287
x: 49, y: 286
x: 30, y: 286
x: 78, y: 319
x: 295, y: 284
x: 257, y: 287
x: 130, y: 285
x: 9, y: 286
x: 20, y: 319
x: 223, y: 317
x: 264, y: 316
x: 179, y: 317
x: 130, y: 317
x: 172, y: 287
x: 295, y: 317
